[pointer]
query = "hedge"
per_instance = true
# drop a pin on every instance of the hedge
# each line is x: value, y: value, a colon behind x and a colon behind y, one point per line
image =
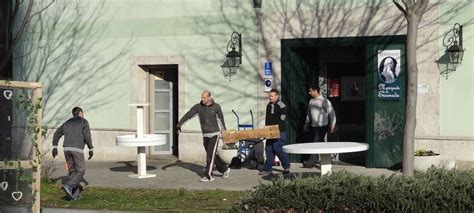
x: 437, y: 190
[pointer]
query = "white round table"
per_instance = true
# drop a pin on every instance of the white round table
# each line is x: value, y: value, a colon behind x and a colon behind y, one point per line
x: 325, y: 149
x: 141, y: 141
x: 141, y: 144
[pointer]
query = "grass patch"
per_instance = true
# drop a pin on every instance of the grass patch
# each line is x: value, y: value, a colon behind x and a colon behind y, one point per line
x: 142, y: 199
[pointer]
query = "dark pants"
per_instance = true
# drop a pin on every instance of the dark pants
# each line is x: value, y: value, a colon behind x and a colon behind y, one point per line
x: 210, y: 145
x: 316, y: 134
x: 76, y: 166
x: 275, y: 147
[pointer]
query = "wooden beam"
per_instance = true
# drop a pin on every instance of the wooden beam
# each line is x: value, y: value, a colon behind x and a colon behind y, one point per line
x: 268, y: 132
x: 19, y: 85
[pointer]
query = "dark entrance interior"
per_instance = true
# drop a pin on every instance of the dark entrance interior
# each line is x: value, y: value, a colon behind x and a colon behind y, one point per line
x: 340, y: 72
x: 347, y: 70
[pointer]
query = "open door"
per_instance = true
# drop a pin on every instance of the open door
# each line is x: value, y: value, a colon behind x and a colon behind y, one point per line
x: 163, y: 106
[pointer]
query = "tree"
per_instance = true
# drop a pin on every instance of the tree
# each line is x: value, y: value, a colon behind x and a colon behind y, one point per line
x: 413, y: 10
x: 14, y: 19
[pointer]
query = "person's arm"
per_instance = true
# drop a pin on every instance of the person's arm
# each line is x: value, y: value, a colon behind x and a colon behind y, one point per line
x: 191, y: 113
x: 86, y: 132
x: 331, y: 115
x: 57, y: 135
x: 220, y: 115
x: 307, y: 121
x: 282, y: 111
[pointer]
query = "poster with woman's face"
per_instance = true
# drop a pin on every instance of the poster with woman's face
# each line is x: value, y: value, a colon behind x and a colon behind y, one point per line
x: 388, y: 72
x: 389, y: 66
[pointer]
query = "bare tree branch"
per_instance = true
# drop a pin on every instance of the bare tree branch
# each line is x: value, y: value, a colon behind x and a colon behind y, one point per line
x: 400, y: 7
x: 24, y: 23
x: 40, y: 11
x: 420, y: 7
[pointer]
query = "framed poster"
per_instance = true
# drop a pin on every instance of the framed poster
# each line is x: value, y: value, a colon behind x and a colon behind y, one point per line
x: 353, y: 89
x: 388, y: 72
x: 334, y: 88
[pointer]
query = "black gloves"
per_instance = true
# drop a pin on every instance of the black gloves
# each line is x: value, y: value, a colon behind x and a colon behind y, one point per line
x: 91, y: 153
x: 55, y: 152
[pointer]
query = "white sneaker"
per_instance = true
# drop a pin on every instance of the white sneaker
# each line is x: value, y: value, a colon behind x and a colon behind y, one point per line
x: 205, y: 179
x: 226, y: 173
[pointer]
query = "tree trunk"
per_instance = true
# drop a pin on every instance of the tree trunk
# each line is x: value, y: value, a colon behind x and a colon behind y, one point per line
x: 410, y: 123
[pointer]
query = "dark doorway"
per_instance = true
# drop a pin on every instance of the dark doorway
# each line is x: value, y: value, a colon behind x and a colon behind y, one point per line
x: 346, y: 69
x: 340, y: 71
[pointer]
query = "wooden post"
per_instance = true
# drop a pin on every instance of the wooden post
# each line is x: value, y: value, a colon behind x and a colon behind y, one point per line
x: 36, y: 161
x: 37, y: 97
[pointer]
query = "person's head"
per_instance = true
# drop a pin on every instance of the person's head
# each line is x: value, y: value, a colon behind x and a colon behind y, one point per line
x: 387, y: 70
x: 313, y: 91
x: 273, y: 95
x: 77, y: 111
x: 206, y: 97
x: 388, y: 64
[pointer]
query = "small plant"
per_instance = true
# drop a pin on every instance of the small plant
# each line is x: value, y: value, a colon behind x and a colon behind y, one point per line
x: 424, y: 152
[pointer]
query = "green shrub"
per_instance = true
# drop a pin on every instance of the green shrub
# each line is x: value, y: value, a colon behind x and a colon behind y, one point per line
x: 434, y: 191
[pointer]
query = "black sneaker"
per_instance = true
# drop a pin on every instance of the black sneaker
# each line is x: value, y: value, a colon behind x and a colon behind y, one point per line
x: 68, y: 191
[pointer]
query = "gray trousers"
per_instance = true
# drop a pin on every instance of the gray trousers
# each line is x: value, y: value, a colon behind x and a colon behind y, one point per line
x: 76, y: 166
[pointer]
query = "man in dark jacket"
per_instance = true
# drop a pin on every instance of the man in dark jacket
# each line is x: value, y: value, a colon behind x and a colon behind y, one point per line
x: 76, y: 133
x: 210, y: 117
x: 275, y: 115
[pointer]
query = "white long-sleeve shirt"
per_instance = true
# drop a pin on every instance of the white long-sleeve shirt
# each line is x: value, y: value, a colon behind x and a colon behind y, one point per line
x: 320, y: 112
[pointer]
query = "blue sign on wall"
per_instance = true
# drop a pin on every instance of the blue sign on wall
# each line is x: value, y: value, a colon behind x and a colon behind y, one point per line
x: 268, y: 68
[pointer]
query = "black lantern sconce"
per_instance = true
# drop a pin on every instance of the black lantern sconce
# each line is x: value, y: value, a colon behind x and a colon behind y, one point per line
x: 233, y: 56
x: 454, y: 47
x: 454, y: 51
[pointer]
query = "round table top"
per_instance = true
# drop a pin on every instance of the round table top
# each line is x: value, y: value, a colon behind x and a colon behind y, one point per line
x: 148, y: 140
x: 325, y: 147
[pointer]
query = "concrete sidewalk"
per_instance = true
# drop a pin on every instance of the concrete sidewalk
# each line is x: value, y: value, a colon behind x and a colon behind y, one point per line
x: 173, y: 174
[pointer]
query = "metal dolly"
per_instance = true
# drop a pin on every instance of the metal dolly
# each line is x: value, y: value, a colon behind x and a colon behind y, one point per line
x: 245, y: 148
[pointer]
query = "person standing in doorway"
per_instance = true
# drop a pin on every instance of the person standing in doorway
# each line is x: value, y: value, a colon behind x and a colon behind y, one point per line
x: 212, y: 123
x: 320, y: 118
x: 77, y: 134
x: 275, y: 115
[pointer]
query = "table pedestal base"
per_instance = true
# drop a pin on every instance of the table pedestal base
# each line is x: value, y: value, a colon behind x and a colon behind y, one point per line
x: 142, y: 176
x: 326, y: 163
x: 141, y: 164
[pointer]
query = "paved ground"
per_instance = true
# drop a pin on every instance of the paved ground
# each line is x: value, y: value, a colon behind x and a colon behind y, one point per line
x: 173, y: 174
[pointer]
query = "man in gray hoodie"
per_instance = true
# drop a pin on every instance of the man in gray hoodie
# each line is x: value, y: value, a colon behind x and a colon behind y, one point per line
x: 210, y: 117
x: 77, y: 134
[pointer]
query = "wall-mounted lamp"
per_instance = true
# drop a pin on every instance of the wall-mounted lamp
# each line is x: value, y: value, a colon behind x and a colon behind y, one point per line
x: 454, y: 47
x: 448, y: 63
x: 233, y: 57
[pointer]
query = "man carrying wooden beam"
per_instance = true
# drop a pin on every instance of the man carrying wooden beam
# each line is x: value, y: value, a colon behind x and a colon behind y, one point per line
x: 210, y: 115
x: 275, y: 115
